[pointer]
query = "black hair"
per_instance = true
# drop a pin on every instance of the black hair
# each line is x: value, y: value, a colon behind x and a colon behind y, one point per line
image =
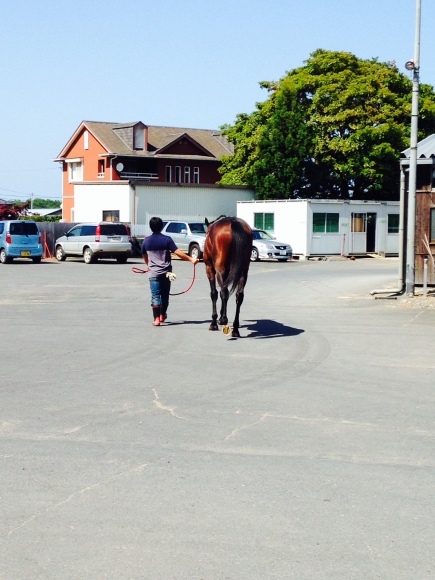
x: 156, y: 225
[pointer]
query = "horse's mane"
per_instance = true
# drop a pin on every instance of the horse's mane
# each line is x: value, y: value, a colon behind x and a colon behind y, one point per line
x: 207, y: 223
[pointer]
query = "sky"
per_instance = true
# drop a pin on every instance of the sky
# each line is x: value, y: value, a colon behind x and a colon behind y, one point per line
x: 188, y: 63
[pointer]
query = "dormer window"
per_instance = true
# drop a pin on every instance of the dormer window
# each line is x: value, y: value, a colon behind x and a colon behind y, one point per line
x: 138, y: 138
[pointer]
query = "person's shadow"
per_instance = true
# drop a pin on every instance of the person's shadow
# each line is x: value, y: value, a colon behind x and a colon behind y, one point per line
x: 266, y: 328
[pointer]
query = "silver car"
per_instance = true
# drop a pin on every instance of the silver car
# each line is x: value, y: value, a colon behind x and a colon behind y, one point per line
x: 93, y: 241
x: 264, y: 246
x: 188, y: 236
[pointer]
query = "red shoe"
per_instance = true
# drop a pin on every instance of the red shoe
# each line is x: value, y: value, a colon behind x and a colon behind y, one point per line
x: 156, y: 322
x: 163, y: 317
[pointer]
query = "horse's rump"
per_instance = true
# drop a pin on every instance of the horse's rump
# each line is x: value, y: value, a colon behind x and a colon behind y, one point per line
x: 228, y: 250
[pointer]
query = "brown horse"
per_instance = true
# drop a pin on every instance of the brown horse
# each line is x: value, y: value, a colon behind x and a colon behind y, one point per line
x: 227, y: 254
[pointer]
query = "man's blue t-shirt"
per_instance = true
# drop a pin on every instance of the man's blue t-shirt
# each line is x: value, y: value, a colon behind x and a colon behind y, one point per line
x: 158, y: 247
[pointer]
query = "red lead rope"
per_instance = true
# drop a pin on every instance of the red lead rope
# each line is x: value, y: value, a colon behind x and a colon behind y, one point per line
x: 141, y: 271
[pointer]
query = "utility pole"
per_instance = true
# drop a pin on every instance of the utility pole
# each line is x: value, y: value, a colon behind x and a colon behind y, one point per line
x: 412, y: 187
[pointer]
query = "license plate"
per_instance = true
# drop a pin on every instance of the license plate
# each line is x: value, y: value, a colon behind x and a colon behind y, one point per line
x: 114, y: 238
x: 283, y: 252
x: 24, y: 253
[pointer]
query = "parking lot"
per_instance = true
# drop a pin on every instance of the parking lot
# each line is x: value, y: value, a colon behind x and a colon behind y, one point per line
x: 303, y: 450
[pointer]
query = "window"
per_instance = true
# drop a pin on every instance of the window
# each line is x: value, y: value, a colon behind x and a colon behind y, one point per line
x: 2, y: 227
x: 176, y: 228
x: 393, y: 223
x: 75, y: 171
x: 359, y: 223
x: 196, y: 175
x: 101, y: 168
x: 187, y: 175
x: 86, y: 139
x: 432, y: 225
x: 325, y: 223
x: 177, y: 174
x: 138, y: 138
x: 264, y: 221
x: 168, y: 174
x: 111, y: 215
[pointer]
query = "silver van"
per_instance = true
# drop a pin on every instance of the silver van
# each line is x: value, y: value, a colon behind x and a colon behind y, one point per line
x: 20, y: 239
x: 93, y: 241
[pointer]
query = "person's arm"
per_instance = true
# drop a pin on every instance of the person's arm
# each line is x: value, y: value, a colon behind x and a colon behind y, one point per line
x: 145, y: 258
x: 184, y: 256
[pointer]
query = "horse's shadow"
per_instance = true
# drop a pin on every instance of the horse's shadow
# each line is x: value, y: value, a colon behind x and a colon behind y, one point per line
x: 266, y: 328
x: 259, y: 328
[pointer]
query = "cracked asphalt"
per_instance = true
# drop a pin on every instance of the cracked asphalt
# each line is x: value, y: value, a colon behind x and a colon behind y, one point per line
x: 303, y: 450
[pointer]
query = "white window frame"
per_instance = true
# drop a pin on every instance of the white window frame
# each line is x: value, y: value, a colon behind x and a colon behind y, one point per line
x: 75, y: 169
x: 196, y: 175
x: 178, y: 174
x: 86, y: 139
x: 168, y: 174
x: 187, y: 174
x: 101, y: 164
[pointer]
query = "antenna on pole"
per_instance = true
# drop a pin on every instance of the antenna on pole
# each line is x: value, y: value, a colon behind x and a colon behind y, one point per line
x: 413, y: 65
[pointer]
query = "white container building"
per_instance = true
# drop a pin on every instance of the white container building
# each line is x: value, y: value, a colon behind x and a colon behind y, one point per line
x: 318, y: 227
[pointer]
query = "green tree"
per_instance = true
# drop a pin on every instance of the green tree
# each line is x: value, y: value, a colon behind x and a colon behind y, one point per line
x: 332, y: 128
x: 40, y: 203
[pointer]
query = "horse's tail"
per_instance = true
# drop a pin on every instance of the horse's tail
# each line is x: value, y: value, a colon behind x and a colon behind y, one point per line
x: 240, y: 245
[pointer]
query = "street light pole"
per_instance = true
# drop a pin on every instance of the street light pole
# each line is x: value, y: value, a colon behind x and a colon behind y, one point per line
x: 410, y: 245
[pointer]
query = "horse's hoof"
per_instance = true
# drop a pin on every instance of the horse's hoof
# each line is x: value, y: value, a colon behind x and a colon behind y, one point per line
x: 235, y: 334
x: 214, y: 327
x: 223, y: 322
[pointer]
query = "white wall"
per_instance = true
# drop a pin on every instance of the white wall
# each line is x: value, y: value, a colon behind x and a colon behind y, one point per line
x: 184, y: 202
x: 293, y: 221
x: 91, y: 199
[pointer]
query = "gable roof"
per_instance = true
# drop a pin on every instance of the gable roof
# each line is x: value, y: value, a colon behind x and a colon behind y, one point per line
x: 210, y: 143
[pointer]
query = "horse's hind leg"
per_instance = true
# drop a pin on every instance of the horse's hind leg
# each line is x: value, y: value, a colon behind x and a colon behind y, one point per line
x: 225, y: 294
x: 239, y: 301
x: 214, y: 296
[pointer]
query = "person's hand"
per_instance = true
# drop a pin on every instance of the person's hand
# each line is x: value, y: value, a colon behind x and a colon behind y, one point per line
x: 194, y: 261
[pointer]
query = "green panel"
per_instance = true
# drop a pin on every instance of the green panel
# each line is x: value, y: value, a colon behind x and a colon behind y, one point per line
x: 319, y: 222
x: 269, y: 222
x: 258, y: 221
x: 393, y: 223
x: 332, y: 224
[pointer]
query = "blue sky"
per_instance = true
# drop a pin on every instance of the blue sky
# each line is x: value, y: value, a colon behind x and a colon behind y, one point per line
x: 168, y: 62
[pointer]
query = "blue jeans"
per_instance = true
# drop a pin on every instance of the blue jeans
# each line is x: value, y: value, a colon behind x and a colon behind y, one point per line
x: 160, y: 287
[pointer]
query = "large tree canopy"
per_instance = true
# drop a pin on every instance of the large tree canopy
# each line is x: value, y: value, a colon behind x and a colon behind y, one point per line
x: 332, y: 128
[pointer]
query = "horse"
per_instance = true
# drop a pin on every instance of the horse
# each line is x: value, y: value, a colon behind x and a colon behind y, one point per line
x: 227, y: 256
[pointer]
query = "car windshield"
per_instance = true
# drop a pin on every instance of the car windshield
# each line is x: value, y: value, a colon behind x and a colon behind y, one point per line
x: 261, y: 235
x: 198, y: 228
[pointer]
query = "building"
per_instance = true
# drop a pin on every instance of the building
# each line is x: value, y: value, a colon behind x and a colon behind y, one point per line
x: 132, y: 155
x: 318, y: 227
x: 424, y: 209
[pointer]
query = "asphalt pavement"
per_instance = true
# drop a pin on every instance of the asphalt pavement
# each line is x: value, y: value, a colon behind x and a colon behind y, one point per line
x: 303, y: 450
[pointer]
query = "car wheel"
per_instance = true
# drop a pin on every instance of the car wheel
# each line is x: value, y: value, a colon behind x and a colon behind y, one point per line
x: 60, y: 254
x: 4, y: 258
x: 122, y: 259
x: 36, y: 260
x: 282, y: 259
x: 195, y: 252
x: 88, y: 256
x: 254, y: 255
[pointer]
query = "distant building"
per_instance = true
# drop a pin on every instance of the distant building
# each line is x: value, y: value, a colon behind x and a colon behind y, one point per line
x: 136, y: 154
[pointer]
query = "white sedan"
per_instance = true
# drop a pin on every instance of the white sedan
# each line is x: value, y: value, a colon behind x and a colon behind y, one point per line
x: 266, y: 247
